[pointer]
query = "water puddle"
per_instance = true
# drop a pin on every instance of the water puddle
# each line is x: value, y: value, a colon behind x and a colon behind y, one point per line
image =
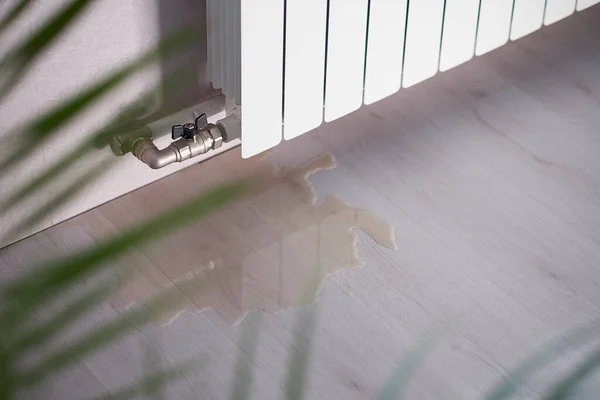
x: 271, y: 251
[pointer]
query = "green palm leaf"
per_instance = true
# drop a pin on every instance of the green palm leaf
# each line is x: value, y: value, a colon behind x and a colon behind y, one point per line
x: 60, y: 199
x: 13, y: 14
x: 110, y: 331
x: 13, y: 66
x: 302, y: 343
x: 514, y: 381
x: 44, y: 127
x: 247, y: 348
x: 407, y: 366
x: 20, y: 299
x: 127, y: 120
x: 31, y: 291
x: 565, y: 388
x: 153, y: 382
x: 31, y: 338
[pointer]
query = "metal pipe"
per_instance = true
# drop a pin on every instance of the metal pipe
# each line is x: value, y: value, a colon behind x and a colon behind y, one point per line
x: 209, y: 138
x: 194, y: 141
x: 150, y: 155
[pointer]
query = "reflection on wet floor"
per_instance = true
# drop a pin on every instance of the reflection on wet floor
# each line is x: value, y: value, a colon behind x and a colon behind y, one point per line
x: 271, y: 251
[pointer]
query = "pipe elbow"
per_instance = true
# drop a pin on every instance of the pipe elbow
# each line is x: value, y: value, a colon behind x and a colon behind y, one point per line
x: 150, y: 155
x: 155, y: 161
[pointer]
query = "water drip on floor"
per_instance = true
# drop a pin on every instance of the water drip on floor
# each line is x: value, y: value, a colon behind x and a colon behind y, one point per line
x: 271, y: 251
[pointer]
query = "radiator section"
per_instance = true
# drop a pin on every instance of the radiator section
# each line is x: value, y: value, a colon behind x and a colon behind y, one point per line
x: 385, y: 45
x: 305, y: 43
x: 528, y: 17
x: 346, y: 41
x: 558, y: 9
x: 423, y: 36
x: 460, y: 31
x: 583, y: 4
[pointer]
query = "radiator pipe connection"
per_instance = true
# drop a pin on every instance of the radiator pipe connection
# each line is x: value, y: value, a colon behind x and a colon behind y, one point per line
x: 208, y: 138
x: 189, y: 140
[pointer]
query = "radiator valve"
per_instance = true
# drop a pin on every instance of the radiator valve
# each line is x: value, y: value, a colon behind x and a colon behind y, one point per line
x: 189, y: 140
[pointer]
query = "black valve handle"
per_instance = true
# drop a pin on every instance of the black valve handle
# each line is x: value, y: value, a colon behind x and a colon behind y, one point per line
x: 189, y: 130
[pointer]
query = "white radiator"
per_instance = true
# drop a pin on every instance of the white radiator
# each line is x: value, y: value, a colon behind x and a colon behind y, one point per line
x: 292, y: 64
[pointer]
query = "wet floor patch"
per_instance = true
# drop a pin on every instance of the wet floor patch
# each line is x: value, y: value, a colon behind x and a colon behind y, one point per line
x: 271, y: 251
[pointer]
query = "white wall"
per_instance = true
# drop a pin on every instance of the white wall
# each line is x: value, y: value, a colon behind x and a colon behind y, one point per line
x: 110, y: 33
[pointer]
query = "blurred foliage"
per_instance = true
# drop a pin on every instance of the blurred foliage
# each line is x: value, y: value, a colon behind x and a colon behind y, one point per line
x: 46, y: 285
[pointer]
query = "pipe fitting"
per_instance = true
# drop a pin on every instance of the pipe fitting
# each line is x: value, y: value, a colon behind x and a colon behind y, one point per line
x: 189, y: 140
x: 209, y: 138
x: 149, y: 154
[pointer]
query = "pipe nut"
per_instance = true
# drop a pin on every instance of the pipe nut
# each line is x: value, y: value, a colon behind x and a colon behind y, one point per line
x: 216, y: 135
x: 183, y: 148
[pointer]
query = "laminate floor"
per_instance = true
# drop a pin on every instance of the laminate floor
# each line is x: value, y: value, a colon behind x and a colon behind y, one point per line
x: 486, y: 182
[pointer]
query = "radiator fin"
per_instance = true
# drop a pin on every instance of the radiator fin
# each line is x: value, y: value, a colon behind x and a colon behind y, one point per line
x: 528, y: 17
x: 460, y: 30
x: 237, y: 43
x: 347, y: 30
x: 262, y: 74
x: 583, y: 4
x: 494, y: 25
x: 215, y: 47
x: 223, y: 40
x: 558, y: 9
x: 306, y: 25
x: 423, y: 36
x: 229, y: 87
x: 385, y: 49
